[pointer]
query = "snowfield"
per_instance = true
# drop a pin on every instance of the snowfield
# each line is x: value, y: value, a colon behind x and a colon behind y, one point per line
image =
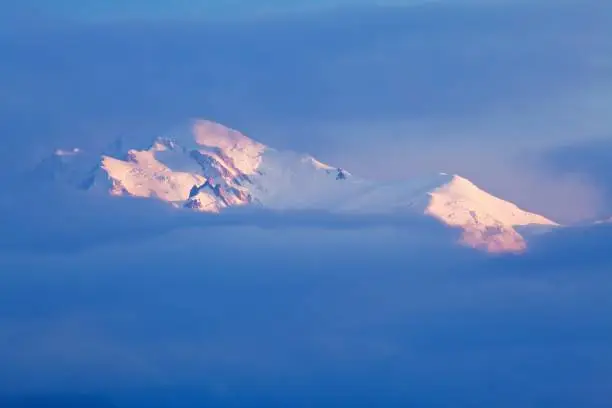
x: 208, y: 167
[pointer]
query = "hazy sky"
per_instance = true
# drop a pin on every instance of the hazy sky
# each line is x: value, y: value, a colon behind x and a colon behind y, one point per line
x: 453, y: 86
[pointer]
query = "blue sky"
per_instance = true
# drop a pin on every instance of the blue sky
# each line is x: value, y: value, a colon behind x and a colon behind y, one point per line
x: 127, y: 303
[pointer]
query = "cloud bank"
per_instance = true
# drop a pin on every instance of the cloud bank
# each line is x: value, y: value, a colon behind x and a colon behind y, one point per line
x: 243, y: 316
x: 122, y: 305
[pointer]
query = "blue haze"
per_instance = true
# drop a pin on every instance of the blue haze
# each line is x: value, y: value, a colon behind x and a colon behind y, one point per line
x: 125, y: 303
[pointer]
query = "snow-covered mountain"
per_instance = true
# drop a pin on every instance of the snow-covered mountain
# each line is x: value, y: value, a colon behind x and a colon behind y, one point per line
x: 209, y: 167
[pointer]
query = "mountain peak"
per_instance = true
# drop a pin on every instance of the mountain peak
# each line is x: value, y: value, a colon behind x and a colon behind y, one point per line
x: 208, y: 133
x: 460, y: 192
x: 459, y: 185
x: 487, y: 221
x: 201, y: 134
x: 209, y: 167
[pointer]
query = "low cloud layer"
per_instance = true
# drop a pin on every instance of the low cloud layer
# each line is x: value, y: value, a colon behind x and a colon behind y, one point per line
x: 125, y: 303
x: 297, y: 307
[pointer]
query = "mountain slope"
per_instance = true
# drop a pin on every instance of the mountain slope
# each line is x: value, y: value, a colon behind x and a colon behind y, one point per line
x: 208, y: 167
